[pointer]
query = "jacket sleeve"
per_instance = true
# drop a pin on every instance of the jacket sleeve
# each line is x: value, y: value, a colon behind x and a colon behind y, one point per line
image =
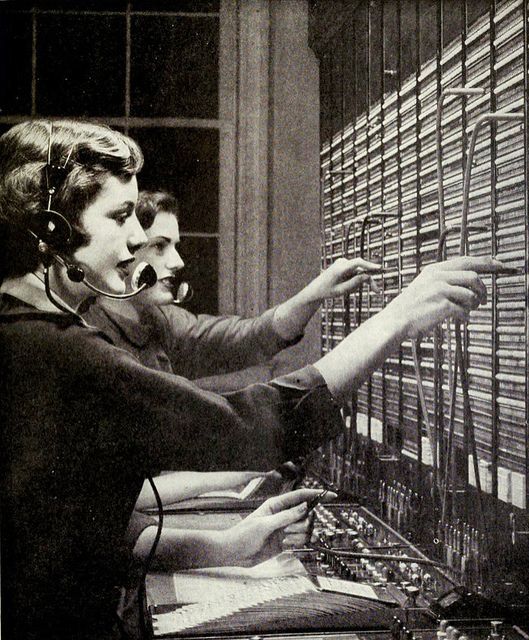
x: 204, y: 345
x: 175, y: 424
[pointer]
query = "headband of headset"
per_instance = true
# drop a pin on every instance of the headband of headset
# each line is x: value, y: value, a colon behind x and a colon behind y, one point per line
x: 50, y: 226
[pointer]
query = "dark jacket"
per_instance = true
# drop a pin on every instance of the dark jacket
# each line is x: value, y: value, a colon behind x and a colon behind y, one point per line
x: 83, y: 422
x: 213, y: 349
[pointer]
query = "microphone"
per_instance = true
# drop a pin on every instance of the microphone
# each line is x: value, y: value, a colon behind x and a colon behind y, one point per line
x: 144, y: 276
x: 184, y: 293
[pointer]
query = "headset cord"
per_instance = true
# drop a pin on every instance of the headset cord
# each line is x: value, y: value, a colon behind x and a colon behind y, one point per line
x: 59, y: 304
x: 141, y: 586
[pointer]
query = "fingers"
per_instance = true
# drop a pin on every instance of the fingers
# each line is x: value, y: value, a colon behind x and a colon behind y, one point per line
x: 286, y: 517
x: 346, y: 276
x: 300, y: 526
x: 359, y: 264
x: 455, y: 311
x: 468, y: 280
x: 292, y: 498
x: 295, y: 541
x: 347, y: 268
x: 298, y: 533
x: 480, y: 264
x: 463, y: 297
x: 354, y: 283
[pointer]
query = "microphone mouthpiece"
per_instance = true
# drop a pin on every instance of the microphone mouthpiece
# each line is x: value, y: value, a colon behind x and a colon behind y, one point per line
x: 144, y: 276
x: 184, y: 293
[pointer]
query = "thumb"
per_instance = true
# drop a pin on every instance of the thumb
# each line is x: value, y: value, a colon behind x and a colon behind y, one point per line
x: 351, y: 285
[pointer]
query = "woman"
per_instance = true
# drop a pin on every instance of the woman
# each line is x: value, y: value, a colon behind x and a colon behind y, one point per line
x: 84, y: 422
x: 169, y: 338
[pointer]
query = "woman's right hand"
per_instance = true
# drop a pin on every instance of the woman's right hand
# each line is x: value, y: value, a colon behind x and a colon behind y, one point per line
x: 443, y: 289
x: 280, y: 523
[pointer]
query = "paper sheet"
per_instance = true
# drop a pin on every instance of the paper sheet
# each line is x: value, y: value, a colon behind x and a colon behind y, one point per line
x: 214, y: 593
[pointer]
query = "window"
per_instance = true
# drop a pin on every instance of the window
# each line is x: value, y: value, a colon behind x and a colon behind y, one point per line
x: 149, y: 68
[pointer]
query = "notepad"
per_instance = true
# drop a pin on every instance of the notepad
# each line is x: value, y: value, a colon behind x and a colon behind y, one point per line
x: 357, y: 589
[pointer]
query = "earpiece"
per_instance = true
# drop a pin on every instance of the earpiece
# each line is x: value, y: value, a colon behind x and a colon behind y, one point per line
x: 51, y: 228
x: 74, y: 272
x: 48, y: 225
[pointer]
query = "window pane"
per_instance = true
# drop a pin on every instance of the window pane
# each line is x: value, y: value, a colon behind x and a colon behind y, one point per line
x: 201, y: 270
x: 184, y: 162
x: 191, y: 6
x: 15, y: 63
x: 81, y: 65
x: 174, y: 66
x: 81, y: 5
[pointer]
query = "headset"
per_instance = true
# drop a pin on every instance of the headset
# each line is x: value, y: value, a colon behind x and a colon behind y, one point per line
x: 54, y: 234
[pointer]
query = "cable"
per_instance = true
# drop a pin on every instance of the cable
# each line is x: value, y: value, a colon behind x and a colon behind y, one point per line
x: 346, y: 241
x: 141, y: 586
x: 468, y: 411
x: 463, y: 249
x: 348, y: 433
x: 59, y: 304
x: 345, y: 553
x: 448, y: 455
x: 463, y: 93
x: 424, y: 410
x: 452, y: 373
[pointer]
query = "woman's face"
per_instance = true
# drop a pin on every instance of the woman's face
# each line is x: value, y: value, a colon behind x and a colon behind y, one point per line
x: 114, y: 235
x: 161, y: 252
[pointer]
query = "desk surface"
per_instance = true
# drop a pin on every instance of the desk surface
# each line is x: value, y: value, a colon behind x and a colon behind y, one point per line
x: 288, y: 603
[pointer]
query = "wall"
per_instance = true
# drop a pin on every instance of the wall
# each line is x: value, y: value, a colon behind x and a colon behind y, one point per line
x: 294, y: 241
x: 277, y: 192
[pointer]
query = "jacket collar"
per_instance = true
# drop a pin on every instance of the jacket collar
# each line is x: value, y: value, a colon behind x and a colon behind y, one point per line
x: 13, y: 309
x: 136, y: 332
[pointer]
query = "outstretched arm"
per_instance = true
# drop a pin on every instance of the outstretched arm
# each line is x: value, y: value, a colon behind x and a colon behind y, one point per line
x: 444, y: 289
x: 181, y: 485
x: 204, y: 345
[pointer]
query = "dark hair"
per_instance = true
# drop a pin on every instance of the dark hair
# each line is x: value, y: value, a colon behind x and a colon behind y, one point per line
x: 94, y: 153
x: 151, y: 203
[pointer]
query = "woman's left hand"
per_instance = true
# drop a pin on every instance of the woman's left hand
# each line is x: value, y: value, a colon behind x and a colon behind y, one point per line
x: 343, y: 277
